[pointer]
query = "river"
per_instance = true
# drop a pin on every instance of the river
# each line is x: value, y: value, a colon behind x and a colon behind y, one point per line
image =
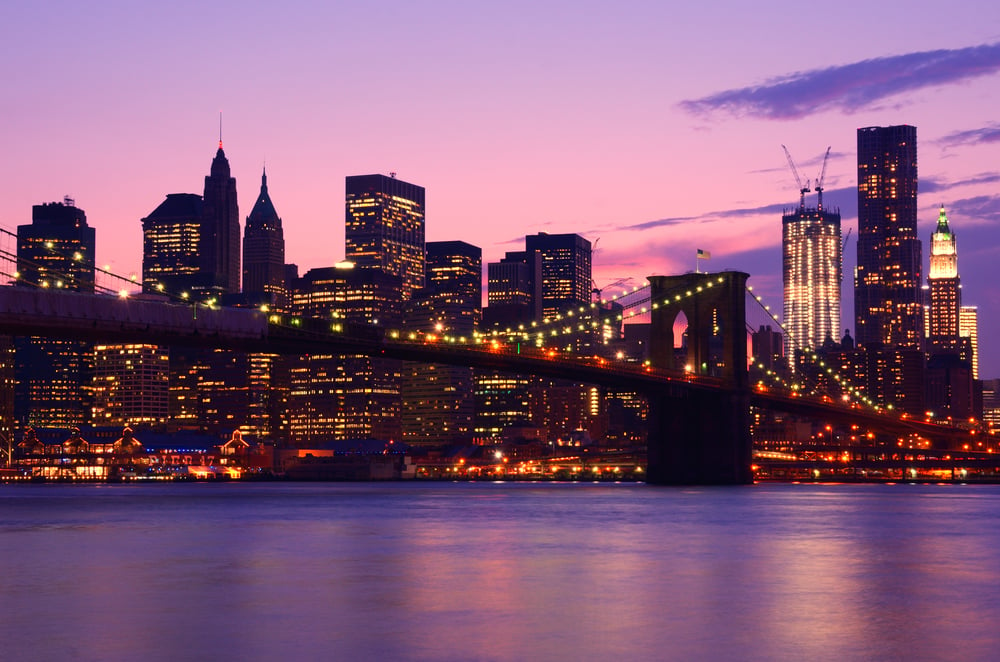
x: 498, y: 571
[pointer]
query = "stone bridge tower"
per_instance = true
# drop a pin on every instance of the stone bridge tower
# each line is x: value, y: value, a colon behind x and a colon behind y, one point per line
x: 701, y: 436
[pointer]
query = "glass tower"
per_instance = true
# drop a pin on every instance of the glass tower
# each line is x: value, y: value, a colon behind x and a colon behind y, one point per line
x: 887, y: 302
x: 385, y: 228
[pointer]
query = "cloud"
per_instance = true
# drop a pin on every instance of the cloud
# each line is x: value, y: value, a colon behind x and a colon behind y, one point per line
x: 844, y: 199
x: 850, y: 87
x: 933, y: 185
x: 981, y: 206
x: 987, y: 134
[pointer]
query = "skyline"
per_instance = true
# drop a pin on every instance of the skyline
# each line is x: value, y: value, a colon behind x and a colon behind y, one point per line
x: 516, y: 120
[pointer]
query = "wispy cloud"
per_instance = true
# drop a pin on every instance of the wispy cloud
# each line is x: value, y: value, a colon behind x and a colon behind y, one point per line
x: 933, y: 185
x: 986, y: 207
x: 987, y: 134
x: 843, y: 198
x: 850, y: 87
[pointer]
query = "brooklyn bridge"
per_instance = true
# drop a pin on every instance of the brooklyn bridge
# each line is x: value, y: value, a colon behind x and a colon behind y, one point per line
x: 699, y: 410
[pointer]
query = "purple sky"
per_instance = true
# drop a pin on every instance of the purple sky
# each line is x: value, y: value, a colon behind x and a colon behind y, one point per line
x: 655, y: 128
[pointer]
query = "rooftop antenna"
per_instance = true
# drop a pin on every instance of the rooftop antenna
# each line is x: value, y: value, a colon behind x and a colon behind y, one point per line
x: 819, y: 183
x: 802, y: 189
x: 220, y: 129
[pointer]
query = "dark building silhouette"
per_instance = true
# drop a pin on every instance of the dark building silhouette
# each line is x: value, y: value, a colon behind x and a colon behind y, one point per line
x: 264, y: 253
x: 55, y: 251
x: 220, y: 228
x: 950, y: 387
x: 887, y: 300
x: 385, y: 228
x: 513, y: 290
x: 767, y: 347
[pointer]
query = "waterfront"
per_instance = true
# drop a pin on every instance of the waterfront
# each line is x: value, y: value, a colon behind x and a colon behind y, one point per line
x: 499, y: 571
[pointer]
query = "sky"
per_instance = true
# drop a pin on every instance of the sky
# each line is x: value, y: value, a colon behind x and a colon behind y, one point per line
x: 652, y: 130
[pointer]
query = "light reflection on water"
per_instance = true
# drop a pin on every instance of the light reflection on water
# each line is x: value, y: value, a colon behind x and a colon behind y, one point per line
x: 483, y: 571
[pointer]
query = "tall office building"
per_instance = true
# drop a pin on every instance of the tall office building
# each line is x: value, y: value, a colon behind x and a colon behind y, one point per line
x: 337, y: 396
x: 812, y: 270
x: 514, y: 297
x: 191, y: 243
x: 438, y: 403
x: 945, y: 288
x: 513, y: 290
x: 887, y: 303
x: 55, y: 251
x: 171, y: 246
x: 130, y: 385
x: 565, y: 269
x: 385, y: 228
x: 220, y: 230
x: 264, y: 253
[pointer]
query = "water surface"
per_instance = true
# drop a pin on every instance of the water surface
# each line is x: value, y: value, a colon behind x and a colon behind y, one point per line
x: 485, y: 571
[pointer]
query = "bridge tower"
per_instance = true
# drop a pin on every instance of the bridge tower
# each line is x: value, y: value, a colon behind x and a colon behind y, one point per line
x: 701, y: 437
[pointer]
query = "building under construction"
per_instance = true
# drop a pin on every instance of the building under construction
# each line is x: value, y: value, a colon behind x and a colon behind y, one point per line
x: 812, y: 270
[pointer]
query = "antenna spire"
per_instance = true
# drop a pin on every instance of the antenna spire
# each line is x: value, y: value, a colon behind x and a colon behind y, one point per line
x: 220, y: 129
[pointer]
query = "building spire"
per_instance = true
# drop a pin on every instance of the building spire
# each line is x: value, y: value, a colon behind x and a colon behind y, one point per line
x: 942, y: 224
x: 220, y: 129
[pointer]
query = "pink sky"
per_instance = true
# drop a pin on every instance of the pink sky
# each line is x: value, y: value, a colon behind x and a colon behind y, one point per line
x: 656, y: 129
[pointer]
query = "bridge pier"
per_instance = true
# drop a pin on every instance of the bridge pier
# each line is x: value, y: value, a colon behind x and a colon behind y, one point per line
x: 701, y: 436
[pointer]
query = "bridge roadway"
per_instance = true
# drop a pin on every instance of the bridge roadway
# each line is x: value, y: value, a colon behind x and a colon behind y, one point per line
x: 110, y: 319
x: 151, y: 319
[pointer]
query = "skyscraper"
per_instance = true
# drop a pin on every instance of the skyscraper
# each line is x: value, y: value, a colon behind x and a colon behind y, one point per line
x: 385, y: 228
x: 338, y: 396
x: 264, y: 253
x: 812, y: 272
x: 191, y: 243
x: 945, y: 288
x: 55, y: 251
x: 566, y: 270
x: 171, y: 246
x: 887, y: 303
x: 514, y: 290
x: 438, y: 405
x: 220, y: 230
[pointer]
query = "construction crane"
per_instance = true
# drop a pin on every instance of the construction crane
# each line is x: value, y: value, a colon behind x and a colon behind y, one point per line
x: 846, y: 239
x: 598, y: 290
x: 802, y: 189
x: 819, y: 183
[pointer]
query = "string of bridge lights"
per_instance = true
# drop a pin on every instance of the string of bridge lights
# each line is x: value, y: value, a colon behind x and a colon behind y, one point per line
x: 846, y: 386
x: 539, y: 332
